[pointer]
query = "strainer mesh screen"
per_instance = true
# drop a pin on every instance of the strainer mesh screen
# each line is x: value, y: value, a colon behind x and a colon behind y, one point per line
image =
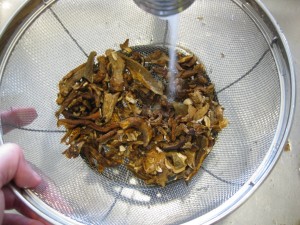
x: 238, y: 60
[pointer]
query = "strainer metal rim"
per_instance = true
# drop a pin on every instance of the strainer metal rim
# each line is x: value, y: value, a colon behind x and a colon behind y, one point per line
x: 270, y: 161
x: 282, y: 132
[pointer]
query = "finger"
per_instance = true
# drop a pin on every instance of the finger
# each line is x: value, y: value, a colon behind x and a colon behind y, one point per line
x: 14, y: 167
x: 49, y: 192
x: 13, y: 202
x: 18, y: 117
x: 9, y: 198
x: 16, y: 219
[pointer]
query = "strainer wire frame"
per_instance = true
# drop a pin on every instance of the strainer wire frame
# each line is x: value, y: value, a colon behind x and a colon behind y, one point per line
x: 280, y: 50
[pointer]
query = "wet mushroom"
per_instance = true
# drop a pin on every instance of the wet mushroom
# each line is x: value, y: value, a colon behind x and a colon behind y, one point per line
x: 116, y: 113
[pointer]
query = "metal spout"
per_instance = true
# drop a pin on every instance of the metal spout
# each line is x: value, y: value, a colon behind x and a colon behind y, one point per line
x: 163, y: 8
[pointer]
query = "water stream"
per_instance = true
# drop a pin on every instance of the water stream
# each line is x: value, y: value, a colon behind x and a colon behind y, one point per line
x: 173, y: 22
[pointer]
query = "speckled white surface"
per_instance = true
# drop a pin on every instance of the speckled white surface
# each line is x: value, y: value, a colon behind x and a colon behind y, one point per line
x: 277, y: 201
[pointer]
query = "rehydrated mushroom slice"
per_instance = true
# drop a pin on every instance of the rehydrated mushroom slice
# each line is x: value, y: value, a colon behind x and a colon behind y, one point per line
x: 102, y: 68
x: 154, y: 161
x: 186, y: 59
x: 176, y: 162
x: 180, y: 108
x: 141, y: 125
x: 106, y: 137
x: 158, y: 57
x: 118, y: 66
x: 173, y: 146
x: 109, y: 103
x: 200, y: 113
x: 199, y: 158
x: 190, y: 158
x: 116, y: 113
x: 67, y: 82
x: 141, y: 74
x: 187, y: 74
x: 89, y: 68
x: 197, y: 97
x: 125, y: 47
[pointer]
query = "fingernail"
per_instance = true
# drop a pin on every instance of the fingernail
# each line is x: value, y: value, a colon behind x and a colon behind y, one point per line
x: 36, y: 176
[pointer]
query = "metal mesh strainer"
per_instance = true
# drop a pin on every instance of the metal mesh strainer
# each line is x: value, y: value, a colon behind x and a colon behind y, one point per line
x: 246, y: 57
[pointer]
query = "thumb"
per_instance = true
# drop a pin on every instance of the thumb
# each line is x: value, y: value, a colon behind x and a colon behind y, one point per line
x: 13, y: 166
x: 17, y: 117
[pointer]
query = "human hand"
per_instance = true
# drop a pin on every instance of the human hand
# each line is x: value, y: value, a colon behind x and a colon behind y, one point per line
x: 14, y: 168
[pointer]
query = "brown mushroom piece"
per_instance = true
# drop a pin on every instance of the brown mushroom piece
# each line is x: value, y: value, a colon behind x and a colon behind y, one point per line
x: 185, y: 59
x: 154, y: 161
x: 187, y: 74
x: 141, y: 74
x: 109, y: 103
x: 139, y: 124
x: 125, y: 47
x: 173, y: 146
x: 89, y: 68
x: 180, y: 108
x: 102, y: 68
x: 118, y: 66
x: 199, y: 158
x: 158, y: 57
x: 200, y: 113
x: 176, y: 162
x: 116, y: 113
x: 190, y: 160
x: 67, y: 82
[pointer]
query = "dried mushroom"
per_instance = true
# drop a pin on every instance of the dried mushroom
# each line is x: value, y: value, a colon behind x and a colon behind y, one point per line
x: 116, y: 112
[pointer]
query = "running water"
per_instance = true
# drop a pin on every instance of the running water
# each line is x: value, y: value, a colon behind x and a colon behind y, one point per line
x: 173, y: 22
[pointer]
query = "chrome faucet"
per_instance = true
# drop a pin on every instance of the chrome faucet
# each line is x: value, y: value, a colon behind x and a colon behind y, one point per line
x: 163, y: 8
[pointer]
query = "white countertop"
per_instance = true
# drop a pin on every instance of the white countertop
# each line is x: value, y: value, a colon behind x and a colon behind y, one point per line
x: 277, y: 201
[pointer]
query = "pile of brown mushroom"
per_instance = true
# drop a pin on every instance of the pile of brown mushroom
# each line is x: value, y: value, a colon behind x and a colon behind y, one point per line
x: 116, y: 112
